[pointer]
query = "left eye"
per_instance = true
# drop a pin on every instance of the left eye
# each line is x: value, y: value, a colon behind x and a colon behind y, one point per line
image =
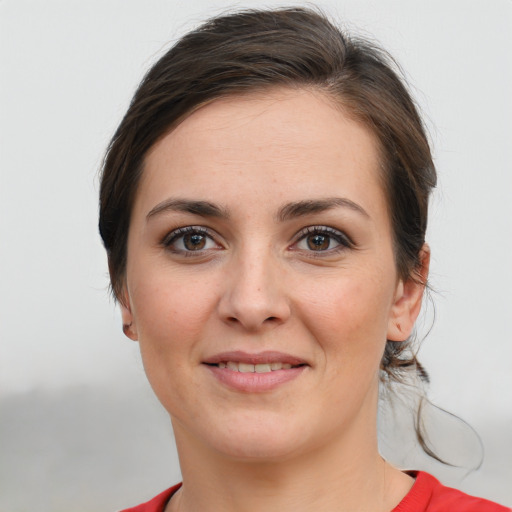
x: 322, y: 239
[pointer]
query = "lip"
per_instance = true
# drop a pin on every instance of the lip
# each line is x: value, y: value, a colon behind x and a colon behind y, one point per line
x: 255, y: 382
x: 266, y: 357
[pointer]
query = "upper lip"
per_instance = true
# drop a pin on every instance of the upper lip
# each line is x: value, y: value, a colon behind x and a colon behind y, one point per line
x: 265, y: 357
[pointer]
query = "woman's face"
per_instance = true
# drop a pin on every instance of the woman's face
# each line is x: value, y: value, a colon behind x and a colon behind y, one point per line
x: 260, y: 280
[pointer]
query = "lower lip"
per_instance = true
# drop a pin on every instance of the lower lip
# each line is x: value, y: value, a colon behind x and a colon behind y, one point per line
x: 253, y: 382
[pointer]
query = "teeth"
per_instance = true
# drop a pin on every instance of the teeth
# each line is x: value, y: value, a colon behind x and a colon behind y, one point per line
x: 254, y: 368
x: 262, y: 368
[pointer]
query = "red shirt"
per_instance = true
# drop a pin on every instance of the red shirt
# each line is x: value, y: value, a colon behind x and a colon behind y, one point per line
x: 426, y: 495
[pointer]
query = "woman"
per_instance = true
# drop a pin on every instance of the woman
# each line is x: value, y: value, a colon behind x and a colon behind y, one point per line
x: 264, y: 206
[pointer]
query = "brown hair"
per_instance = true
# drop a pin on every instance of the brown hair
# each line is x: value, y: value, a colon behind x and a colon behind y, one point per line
x: 256, y: 49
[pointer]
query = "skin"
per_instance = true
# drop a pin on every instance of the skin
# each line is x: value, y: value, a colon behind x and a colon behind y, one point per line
x: 260, y: 283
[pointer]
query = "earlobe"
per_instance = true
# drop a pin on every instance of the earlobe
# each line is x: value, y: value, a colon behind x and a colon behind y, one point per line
x: 129, y: 327
x: 408, y: 299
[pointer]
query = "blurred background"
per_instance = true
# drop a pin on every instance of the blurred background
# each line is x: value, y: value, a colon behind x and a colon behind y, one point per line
x: 79, y: 427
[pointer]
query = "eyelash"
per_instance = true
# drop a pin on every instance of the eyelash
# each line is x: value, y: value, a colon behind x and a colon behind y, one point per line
x: 338, y: 236
x: 333, y: 234
x: 176, y: 234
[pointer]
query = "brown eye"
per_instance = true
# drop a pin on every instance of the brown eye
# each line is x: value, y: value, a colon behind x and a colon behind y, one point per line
x: 322, y: 239
x: 190, y: 239
x: 318, y: 242
x: 194, y: 241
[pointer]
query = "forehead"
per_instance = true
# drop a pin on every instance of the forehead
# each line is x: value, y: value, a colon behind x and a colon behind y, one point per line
x: 294, y: 141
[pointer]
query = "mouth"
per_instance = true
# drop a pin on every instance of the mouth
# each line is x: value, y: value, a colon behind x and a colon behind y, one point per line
x: 238, y: 366
x: 255, y: 372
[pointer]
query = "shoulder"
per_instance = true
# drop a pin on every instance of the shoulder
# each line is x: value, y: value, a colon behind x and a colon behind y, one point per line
x: 157, y: 504
x: 429, y: 495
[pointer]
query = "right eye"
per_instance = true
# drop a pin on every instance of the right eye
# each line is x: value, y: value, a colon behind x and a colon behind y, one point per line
x: 190, y: 239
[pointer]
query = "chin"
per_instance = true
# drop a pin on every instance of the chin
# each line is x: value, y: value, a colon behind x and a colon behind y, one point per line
x: 254, y: 437
x: 259, y: 448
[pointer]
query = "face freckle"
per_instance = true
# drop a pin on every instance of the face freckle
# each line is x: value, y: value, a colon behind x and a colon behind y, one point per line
x: 259, y: 289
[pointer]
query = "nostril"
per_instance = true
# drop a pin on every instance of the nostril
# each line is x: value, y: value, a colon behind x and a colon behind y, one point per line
x: 235, y: 320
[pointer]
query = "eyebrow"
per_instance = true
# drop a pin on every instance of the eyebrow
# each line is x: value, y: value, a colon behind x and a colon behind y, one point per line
x: 202, y: 208
x: 287, y: 212
x: 308, y: 207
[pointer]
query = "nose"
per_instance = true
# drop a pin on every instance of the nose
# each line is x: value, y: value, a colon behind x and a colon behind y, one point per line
x: 254, y: 297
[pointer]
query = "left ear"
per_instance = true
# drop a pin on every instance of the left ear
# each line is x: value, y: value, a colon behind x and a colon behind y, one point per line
x: 408, y: 297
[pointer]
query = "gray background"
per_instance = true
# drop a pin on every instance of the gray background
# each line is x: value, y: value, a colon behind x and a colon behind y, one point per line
x: 79, y: 428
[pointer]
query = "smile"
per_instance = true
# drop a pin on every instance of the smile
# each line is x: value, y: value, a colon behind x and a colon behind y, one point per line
x: 254, y: 373
x: 254, y: 368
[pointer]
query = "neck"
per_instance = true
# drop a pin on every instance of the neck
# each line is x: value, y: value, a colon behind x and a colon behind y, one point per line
x: 342, y: 475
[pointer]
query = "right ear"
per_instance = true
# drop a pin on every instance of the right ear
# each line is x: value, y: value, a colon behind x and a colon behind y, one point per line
x: 129, y: 326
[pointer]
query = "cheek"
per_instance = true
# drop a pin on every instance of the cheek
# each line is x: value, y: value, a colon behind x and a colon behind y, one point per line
x: 171, y: 314
x: 171, y: 317
x: 349, y: 317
